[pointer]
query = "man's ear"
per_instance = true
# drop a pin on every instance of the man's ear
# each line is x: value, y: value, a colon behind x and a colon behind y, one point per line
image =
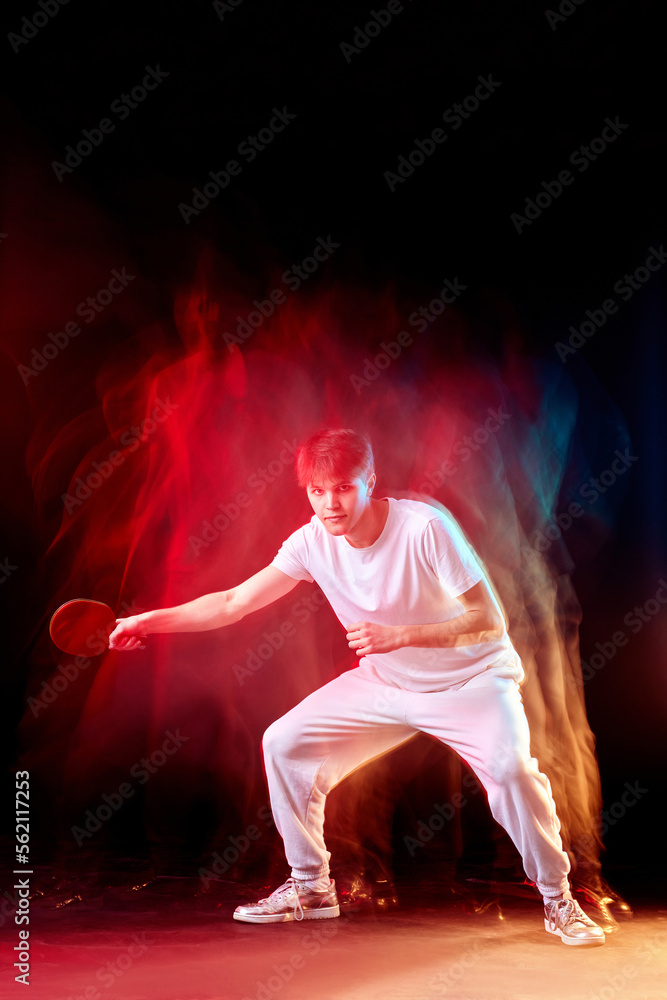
x: 371, y: 483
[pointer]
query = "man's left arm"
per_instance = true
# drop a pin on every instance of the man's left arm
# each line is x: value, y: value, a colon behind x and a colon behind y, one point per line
x: 480, y: 622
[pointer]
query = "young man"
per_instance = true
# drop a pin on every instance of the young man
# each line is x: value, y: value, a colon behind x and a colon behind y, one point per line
x: 434, y: 656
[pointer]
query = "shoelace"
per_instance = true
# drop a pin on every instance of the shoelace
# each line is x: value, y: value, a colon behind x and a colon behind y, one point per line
x: 284, y: 890
x: 564, y: 912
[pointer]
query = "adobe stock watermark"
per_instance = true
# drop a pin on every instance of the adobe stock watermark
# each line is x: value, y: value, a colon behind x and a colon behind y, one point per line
x: 634, y: 620
x: 302, y: 611
x: 465, y: 448
x: 141, y: 771
x: 9, y: 906
x: 6, y: 570
x: 622, y: 978
x: 112, y: 970
x: 420, y: 319
x: 565, y: 9
x: 591, y: 491
x: 236, y: 847
x: 365, y: 33
x: 47, y: 10
x: 613, y: 814
x: 131, y: 439
x: 451, y: 977
x: 121, y: 107
x: 67, y: 673
x: 88, y: 309
x: 454, y: 117
x: 249, y: 148
x: 581, y: 158
x: 625, y: 288
x: 310, y: 944
x: 222, y: 7
x: 442, y: 813
x: 293, y: 277
x: 257, y: 482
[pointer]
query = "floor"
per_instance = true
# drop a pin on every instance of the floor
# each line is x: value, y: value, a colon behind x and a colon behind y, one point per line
x: 166, y: 940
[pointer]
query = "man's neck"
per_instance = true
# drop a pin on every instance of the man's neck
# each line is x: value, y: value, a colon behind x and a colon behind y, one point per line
x: 370, y: 526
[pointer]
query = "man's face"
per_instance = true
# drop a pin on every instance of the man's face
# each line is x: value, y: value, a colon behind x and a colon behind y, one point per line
x: 340, y: 504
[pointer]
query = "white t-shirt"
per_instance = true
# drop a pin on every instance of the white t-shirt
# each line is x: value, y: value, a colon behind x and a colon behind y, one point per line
x: 412, y: 574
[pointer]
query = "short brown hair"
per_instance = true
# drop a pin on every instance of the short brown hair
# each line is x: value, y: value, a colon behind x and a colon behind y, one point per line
x: 334, y: 454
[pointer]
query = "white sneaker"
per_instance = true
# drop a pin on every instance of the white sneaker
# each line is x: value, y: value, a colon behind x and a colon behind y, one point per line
x: 566, y: 918
x: 291, y: 901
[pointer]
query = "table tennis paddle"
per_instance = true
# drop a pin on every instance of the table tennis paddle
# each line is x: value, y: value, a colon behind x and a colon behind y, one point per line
x: 82, y: 627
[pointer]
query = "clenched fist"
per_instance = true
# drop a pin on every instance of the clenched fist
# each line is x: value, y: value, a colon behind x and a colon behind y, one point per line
x: 365, y: 638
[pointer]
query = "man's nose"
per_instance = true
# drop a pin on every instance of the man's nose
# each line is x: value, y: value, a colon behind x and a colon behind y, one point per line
x: 332, y: 501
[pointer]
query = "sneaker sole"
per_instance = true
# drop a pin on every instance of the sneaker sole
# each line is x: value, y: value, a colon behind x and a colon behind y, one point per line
x: 572, y: 941
x: 280, y: 918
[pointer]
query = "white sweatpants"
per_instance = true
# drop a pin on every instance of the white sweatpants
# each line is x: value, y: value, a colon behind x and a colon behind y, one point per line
x: 359, y: 716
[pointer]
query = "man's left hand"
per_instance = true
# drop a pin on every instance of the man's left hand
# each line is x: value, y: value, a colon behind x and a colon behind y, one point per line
x: 365, y: 638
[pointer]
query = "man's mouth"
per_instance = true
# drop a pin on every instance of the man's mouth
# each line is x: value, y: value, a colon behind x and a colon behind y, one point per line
x: 335, y: 517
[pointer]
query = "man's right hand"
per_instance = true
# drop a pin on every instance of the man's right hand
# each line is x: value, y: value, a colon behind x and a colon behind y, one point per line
x: 128, y: 634
x: 208, y: 612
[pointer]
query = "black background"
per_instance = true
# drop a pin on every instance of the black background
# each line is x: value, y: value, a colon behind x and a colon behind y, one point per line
x: 324, y: 174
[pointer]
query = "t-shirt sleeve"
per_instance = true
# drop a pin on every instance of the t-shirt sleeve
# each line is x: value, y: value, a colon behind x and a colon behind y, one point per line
x: 292, y: 557
x: 450, y: 556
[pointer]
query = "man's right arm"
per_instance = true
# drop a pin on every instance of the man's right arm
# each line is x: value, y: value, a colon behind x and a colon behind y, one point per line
x: 207, y: 612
